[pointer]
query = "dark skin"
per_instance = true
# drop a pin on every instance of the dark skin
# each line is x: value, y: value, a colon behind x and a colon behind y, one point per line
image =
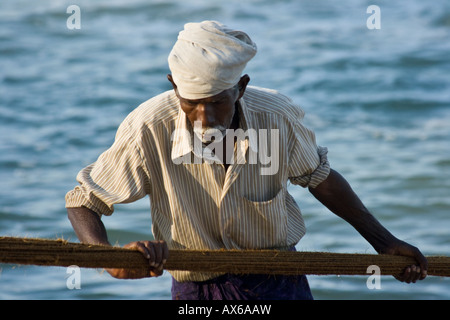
x: 335, y: 193
x: 89, y: 228
x: 220, y: 109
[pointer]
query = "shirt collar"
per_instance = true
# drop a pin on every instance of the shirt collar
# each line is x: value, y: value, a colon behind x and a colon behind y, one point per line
x: 182, y: 145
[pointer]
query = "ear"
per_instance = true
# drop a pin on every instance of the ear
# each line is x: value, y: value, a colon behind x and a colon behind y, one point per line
x: 242, y: 84
x: 169, y: 77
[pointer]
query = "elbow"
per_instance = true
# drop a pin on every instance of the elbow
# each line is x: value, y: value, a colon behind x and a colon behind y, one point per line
x: 75, y: 215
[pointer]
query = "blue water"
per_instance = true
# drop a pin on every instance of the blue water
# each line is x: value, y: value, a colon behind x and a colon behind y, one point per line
x: 378, y: 99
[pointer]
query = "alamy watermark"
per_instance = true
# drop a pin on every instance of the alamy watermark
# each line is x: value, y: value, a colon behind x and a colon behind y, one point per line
x: 73, y: 278
x: 374, y: 280
x: 209, y: 146
x: 374, y: 20
x: 74, y: 20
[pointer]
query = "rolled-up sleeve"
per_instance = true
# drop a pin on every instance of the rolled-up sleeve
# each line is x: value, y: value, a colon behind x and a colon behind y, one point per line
x: 308, y: 165
x: 118, y: 176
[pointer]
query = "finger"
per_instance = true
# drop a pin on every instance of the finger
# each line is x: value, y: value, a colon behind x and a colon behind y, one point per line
x: 420, y: 274
x: 158, y: 253
x: 423, y: 269
x: 152, y: 254
x: 162, y: 254
x: 423, y: 264
x: 165, y: 252
x: 414, y: 275
x: 156, y: 272
x: 423, y: 274
x: 406, y: 274
x: 139, y: 246
x: 146, y: 250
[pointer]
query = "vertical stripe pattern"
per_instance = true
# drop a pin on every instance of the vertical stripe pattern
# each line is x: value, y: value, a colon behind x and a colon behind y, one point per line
x: 202, y: 206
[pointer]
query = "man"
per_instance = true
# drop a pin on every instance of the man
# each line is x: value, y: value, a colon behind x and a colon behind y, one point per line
x: 201, y: 153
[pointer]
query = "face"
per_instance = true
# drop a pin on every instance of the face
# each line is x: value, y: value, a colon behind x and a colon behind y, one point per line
x: 211, y: 116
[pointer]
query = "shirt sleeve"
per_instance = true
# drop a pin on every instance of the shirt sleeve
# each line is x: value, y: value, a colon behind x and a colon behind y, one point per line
x: 118, y: 176
x: 309, y: 164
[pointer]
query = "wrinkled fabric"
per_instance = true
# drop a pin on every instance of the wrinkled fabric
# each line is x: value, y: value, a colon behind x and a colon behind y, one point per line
x: 202, y: 206
x: 209, y: 58
x: 244, y: 287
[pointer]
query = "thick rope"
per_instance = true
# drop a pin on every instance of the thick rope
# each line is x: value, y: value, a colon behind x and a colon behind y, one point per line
x: 63, y: 253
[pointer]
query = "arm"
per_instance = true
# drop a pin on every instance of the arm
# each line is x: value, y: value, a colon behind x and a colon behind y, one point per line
x: 119, y: 175
x: 336, y: 194
x: 89, y: 228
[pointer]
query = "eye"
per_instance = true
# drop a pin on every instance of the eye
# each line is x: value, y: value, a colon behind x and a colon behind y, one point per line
x: 188, y: 104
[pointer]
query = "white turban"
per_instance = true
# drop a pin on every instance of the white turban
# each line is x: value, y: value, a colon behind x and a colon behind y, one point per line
x: 208, y: 58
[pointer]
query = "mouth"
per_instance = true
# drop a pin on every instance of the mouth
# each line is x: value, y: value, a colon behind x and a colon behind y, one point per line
x: 210, y: 135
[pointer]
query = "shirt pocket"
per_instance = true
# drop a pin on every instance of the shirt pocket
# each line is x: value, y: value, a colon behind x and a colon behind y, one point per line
x: 263, y: 224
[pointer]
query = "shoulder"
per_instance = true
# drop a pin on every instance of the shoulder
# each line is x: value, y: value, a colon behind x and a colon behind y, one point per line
x: 263, y: 100
x: 153, y: 114
x: 159, y: 109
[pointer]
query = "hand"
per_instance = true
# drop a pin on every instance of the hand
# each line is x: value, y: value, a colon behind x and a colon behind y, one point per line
x: 414, y: 272
x: 156, y: 252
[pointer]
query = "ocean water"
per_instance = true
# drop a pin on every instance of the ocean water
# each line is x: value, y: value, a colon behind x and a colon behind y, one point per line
x: 379, y: 99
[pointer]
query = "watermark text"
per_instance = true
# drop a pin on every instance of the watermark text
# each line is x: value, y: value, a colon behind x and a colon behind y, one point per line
x: 374, y: 280
x: 374, y: 20
x: 74, y: 20
x: 264, y: 151
x: 73, y: 280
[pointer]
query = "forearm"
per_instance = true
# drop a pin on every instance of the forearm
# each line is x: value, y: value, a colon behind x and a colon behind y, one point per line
x: 337, y: 195
x: 87, y: 226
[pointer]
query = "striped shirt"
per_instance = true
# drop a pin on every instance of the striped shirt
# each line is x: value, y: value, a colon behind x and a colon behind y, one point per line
x: 195, y: 203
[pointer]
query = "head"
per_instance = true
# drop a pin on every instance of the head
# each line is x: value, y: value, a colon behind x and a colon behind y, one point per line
x: 206, y: 65
x: 215, y: 112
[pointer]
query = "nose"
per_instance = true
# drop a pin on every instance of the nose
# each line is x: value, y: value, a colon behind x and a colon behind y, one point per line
x: 206, y: 114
